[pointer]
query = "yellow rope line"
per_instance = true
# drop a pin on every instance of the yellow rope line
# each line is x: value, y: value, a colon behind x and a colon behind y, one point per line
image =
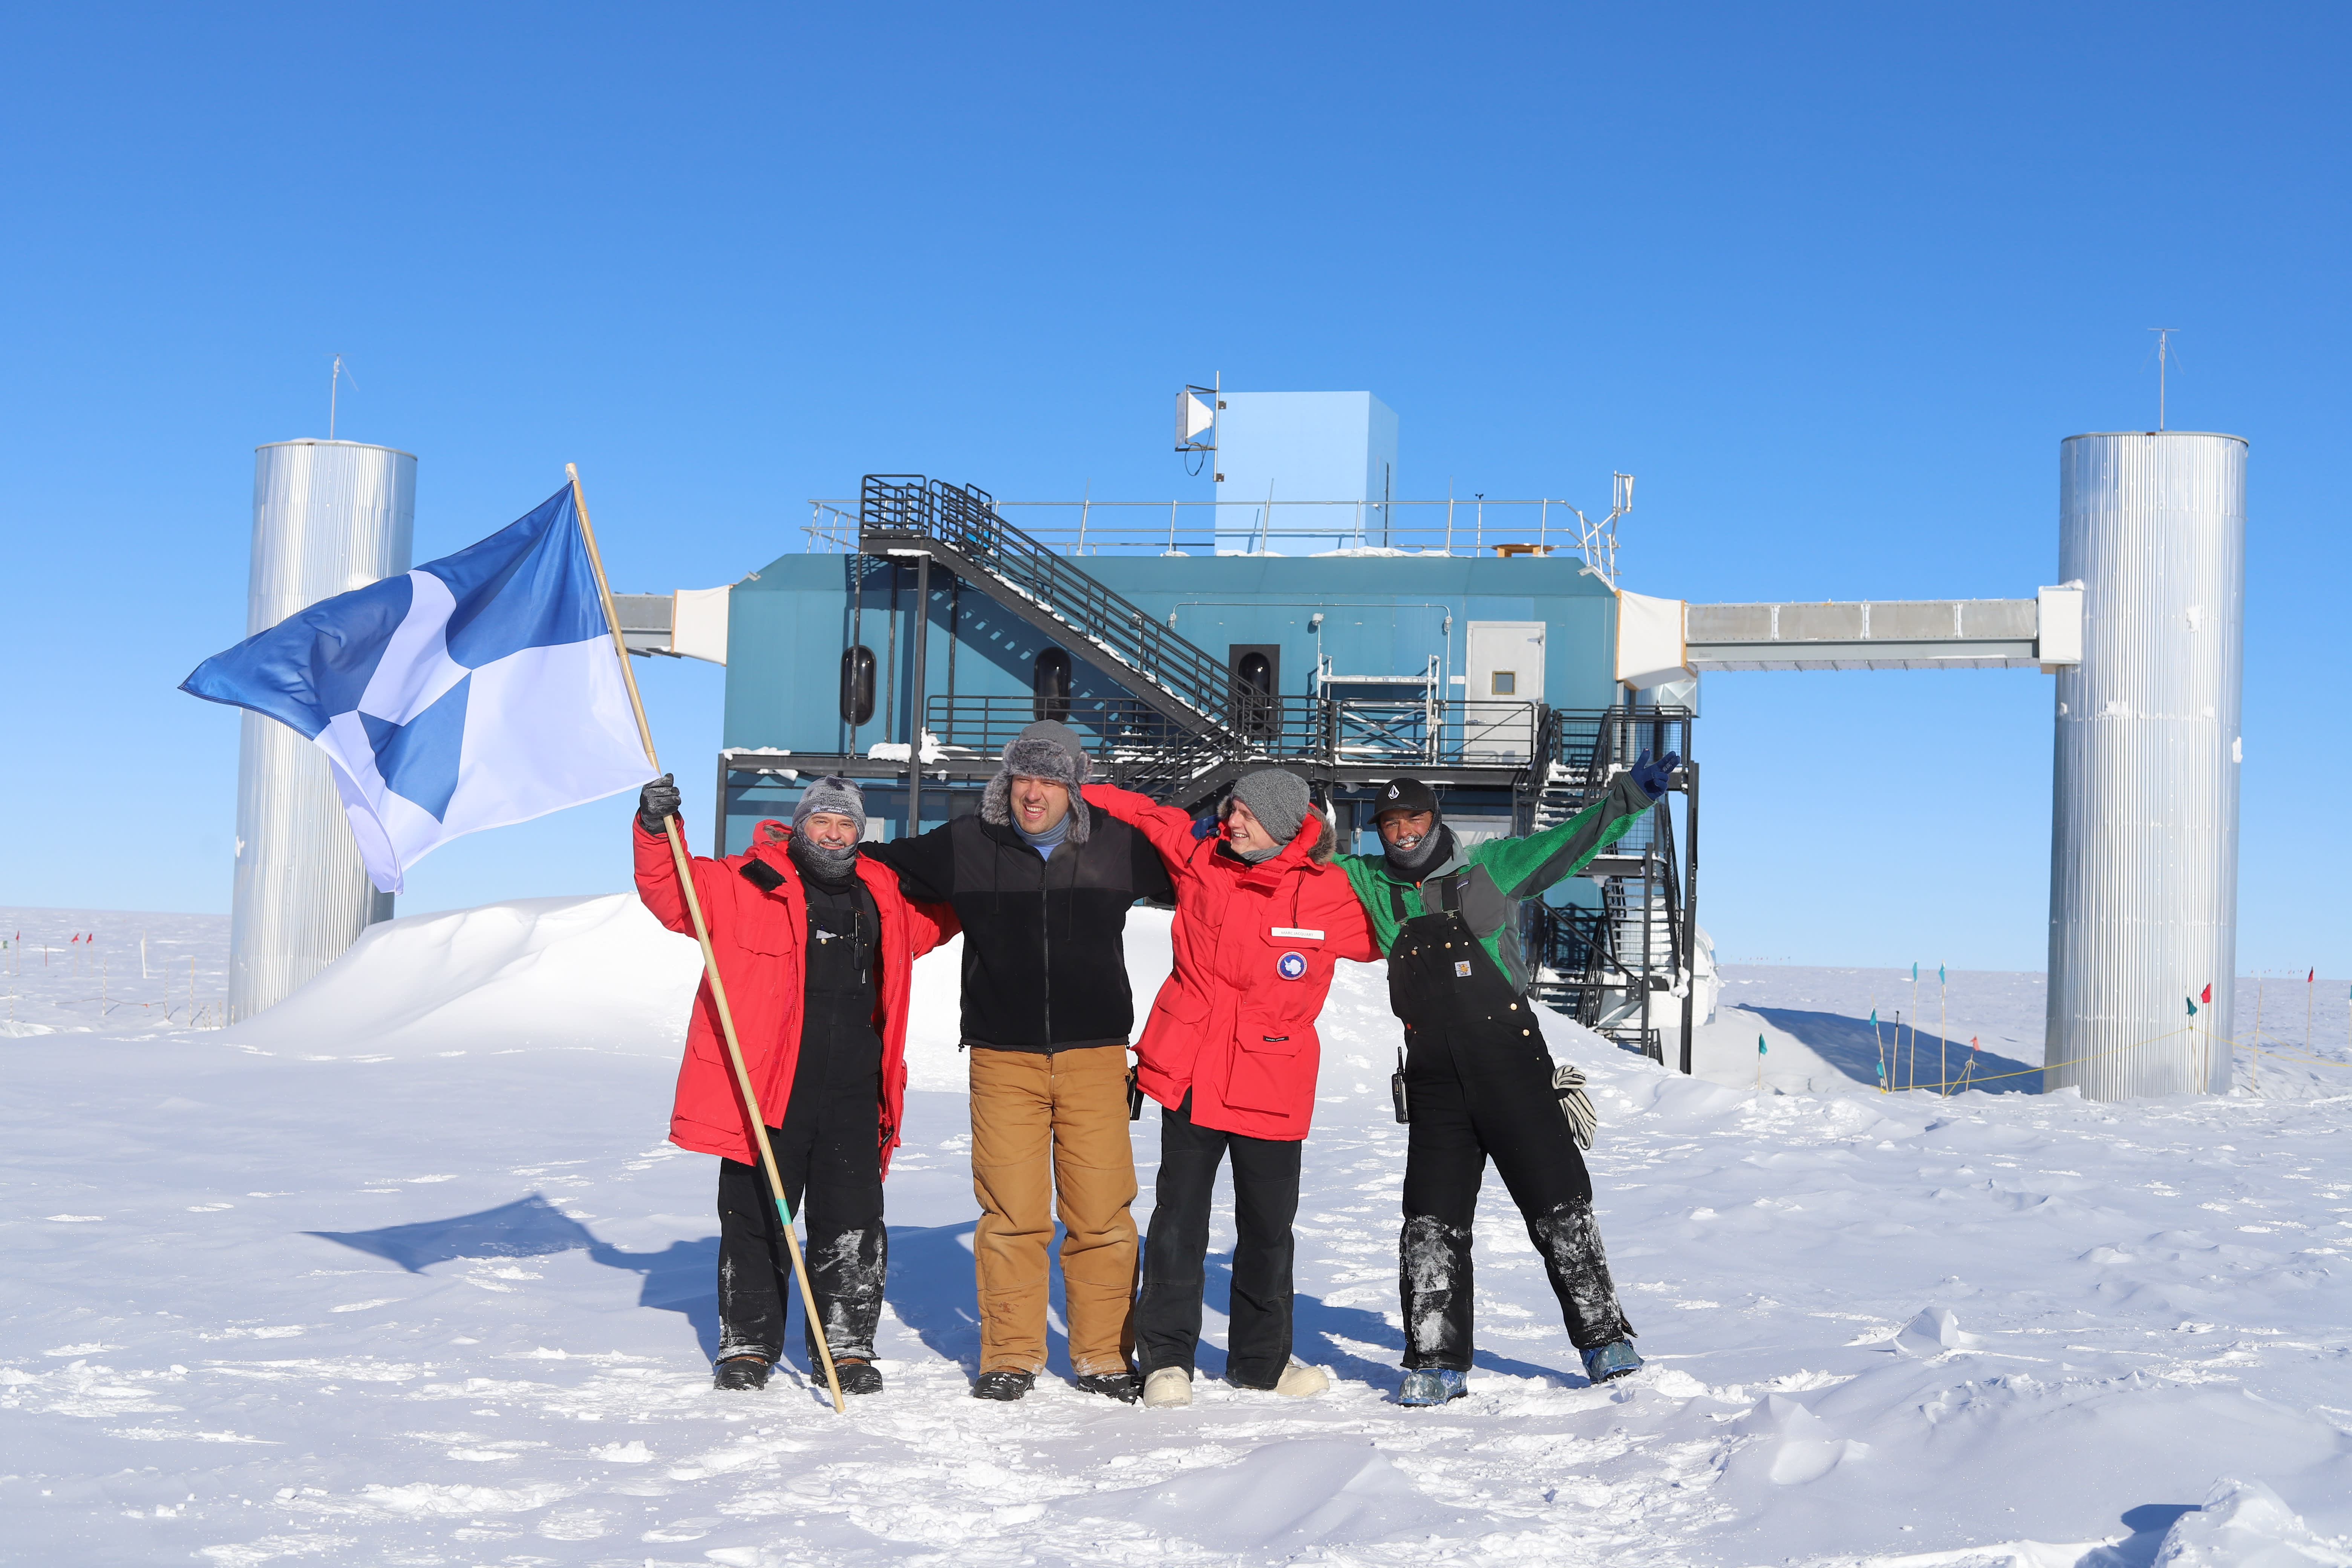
x: 2287, y: 1057
x: 1968, y: 1078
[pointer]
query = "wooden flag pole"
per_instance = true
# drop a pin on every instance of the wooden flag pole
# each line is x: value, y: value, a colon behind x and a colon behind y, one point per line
x: 1914, y: 1074
x: 710, y: 960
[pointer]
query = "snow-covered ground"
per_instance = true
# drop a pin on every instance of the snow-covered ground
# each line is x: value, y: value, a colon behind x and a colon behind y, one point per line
x: 402, y: 1272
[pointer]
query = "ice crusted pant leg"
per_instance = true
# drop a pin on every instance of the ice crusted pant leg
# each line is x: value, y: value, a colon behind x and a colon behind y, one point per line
x: 848, y: 1245
x: 754, y: 1273
x: 830, y: 1157
x: 1445, y: 1164
x: 1434, y: 1282
x: 1570, y: 1240
x: 1518, y: 1122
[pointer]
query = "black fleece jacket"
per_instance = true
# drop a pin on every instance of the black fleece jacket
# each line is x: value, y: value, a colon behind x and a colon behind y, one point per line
x: 1044, y: 957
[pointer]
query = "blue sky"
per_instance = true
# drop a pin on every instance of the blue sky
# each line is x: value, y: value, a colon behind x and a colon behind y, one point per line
x: 1833, y: 281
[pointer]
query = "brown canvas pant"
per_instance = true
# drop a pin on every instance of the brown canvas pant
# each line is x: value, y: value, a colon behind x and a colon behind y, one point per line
x: 1048, y: 1135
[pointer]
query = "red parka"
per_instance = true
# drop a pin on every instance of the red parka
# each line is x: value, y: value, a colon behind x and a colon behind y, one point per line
x: 1256, y: 947
x: 759, y: 937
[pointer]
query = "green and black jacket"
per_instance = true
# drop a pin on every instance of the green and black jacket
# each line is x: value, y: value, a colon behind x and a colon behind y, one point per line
x: 1486, y: 885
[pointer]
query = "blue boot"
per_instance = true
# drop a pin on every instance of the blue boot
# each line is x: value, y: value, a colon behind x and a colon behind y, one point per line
x: 1613, y: 1360
x: 1435, y: 1385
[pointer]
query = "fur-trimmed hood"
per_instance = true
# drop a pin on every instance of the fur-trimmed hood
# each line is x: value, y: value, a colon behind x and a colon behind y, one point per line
x: 1327, y: 840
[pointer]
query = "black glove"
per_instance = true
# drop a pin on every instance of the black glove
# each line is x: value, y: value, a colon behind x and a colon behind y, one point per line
x: 1652, y: 776
x: 658, y: 799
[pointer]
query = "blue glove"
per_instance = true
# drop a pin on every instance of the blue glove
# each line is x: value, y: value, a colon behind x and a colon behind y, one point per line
x: 1653, y: 776
x: 1204, y: 827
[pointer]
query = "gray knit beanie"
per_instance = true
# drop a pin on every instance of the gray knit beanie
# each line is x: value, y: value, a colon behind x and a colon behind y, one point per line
x: 1047, y: 750
x: 1277, y: 798
x: 832, y: 794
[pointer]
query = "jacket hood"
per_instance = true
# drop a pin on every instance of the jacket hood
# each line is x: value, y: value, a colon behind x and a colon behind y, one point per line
x: 1312, y: 848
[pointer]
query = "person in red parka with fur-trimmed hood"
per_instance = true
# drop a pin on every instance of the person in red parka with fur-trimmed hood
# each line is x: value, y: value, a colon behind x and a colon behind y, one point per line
x: 815, y: 946
x: 1230, y: 1053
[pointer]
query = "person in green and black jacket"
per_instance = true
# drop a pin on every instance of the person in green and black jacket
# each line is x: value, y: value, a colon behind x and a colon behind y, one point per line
x: 1477, y: 1077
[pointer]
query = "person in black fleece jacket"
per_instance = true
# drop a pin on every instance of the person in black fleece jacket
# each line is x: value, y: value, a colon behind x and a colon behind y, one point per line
x: 1043, y: 889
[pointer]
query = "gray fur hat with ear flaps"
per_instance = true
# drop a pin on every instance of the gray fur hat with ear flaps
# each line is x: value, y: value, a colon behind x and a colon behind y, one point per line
x: 1046, y: 750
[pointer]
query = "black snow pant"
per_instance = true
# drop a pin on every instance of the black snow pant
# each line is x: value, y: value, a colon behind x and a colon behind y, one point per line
x: 829, y: 1151
x: 1481, y: 1090
x: 1265, y: 1200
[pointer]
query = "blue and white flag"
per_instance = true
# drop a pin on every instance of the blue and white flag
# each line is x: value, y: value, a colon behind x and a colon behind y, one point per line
x: 480, y: 689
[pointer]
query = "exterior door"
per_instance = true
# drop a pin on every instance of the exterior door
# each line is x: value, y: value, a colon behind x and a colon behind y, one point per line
x: 1506, y: 680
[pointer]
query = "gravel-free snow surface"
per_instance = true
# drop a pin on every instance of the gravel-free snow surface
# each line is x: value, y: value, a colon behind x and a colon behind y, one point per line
x: 402, y: 1272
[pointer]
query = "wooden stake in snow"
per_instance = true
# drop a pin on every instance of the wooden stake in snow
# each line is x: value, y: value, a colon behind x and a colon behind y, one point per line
x: 710, y: 959
x: 1913, y: 1076
x: 1943, y: 1040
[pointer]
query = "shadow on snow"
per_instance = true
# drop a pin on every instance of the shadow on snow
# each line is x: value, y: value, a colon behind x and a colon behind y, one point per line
x: 929, y: 1289
x: 681, y: 1277
x: 1853, y: 1048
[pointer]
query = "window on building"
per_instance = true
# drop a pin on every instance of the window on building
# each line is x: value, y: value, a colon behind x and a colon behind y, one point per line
x: 858, y: 686
x: 1049, y: 680
x: 1504, y: 683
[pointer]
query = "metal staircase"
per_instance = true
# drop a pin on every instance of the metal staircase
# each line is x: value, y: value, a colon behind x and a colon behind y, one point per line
x: 959, y: 527
x: 1600, y: 966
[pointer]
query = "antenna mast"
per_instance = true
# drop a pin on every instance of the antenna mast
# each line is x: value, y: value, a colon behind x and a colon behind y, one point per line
x: 2163, y: 347
x: 335, y: 378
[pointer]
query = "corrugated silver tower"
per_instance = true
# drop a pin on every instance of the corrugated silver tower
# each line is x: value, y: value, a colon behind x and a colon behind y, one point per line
x: 328, y: 516
x: 2144, y: 829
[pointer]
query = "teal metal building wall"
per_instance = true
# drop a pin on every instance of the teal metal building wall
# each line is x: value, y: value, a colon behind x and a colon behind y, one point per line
x: 790, y: 622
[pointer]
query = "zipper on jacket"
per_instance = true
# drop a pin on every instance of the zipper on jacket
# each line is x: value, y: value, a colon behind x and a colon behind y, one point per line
x: 1045, y: 946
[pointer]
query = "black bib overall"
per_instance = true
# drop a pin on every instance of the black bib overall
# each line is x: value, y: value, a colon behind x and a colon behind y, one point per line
x: 1478, y: 1083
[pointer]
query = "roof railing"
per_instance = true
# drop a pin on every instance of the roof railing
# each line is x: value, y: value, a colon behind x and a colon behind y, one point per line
x: 1455, y: 526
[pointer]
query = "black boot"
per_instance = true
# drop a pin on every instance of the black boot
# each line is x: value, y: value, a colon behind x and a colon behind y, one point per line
x: 1004, y: 1387
x: 742, y: 1373
x: 1123, y: 1386
x: 858, y: 1377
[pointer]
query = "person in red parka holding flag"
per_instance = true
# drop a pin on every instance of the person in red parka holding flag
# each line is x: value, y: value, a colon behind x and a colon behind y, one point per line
x: 1230, y: 1053
x: 816, y: 948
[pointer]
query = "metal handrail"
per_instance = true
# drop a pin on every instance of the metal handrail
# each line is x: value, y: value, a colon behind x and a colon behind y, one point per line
x: 1334, y: 731
x: 1528, y: 525
x: 965, y: 520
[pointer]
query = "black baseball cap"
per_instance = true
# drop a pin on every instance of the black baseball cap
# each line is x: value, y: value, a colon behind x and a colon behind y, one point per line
x: 1405, y: 795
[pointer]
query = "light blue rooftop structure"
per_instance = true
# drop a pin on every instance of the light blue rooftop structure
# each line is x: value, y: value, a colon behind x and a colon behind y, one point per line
x: 1304, y: 470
